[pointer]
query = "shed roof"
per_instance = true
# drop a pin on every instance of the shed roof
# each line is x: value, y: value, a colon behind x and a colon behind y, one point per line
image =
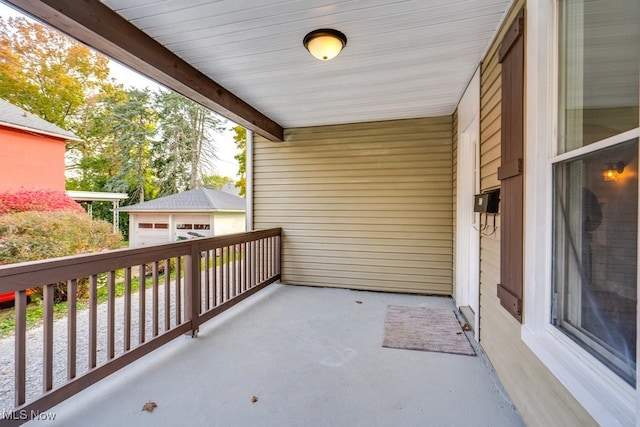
x: 15, y: 117
x: 199, y: 199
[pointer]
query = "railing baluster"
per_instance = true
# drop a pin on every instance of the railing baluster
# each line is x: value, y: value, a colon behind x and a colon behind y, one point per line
x: 167, y: 294
x: 238, y: 277
x: 178, y: 282
x: 127, y: 309
x: 72, y: 327
x: 253, y: 263
x: 156, y: 299
x: 142, y: 309
x: 214, y: 280
x: 93, y: 320
x: 265, y: 254
x: 269, y: 256
x: 47, y: 341
x: 20, y: 359
x: 243, y: 261
x: 111, y: 314
x: 249, y: 255
x: 229, y: 268
x: 223, y: 281
x: 232, y: 271
x: 262, y: 261
x: 278, y: 255
x: 207, y: 290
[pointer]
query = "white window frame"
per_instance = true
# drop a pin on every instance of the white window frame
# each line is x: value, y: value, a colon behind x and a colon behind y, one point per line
x: 605, y: 396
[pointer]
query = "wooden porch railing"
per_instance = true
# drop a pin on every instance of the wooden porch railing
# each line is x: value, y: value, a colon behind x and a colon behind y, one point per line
x: 179, y: 286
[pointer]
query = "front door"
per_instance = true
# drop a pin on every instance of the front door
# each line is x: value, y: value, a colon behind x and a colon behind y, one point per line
x: 468, y: 184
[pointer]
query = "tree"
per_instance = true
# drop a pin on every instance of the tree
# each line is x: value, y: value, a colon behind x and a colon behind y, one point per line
x: 216, y: 182
x: 185, y: 147
x: 47, y: 73
x: 240, y: 139
x: 133, y: 125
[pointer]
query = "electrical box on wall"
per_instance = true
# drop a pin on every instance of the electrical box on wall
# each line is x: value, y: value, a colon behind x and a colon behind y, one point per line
x: 487, y: 202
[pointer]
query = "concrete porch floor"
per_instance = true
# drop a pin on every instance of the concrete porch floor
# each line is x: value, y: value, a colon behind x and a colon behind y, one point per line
x: 312, y: 357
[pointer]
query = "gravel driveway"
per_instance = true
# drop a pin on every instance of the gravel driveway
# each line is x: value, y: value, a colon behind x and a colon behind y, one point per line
x: 35, y: 350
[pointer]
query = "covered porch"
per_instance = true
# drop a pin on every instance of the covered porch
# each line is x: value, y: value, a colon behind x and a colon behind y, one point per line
x: 311, y: 356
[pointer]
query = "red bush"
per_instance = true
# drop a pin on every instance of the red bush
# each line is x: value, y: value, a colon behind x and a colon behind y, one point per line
x: 37, y: 200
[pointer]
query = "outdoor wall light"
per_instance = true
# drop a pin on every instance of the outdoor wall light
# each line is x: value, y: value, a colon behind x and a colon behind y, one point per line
x: 613, y: 170
x: 325, y: 43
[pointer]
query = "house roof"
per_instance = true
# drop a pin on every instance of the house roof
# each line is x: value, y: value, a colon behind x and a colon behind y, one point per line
x: 197, y: 200
x: 15, y: 117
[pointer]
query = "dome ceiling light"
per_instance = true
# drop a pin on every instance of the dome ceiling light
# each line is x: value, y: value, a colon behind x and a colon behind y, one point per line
x: 325, y: 43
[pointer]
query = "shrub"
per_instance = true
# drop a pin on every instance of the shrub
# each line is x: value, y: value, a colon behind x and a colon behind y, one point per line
x: 30, y: 236
x: 37, y: 200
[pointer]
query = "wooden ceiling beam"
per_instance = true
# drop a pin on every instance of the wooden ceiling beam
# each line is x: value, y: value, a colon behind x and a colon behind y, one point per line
x: 94, y: 24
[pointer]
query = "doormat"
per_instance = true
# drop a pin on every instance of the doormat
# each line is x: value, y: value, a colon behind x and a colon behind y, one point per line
x: 425, y: 329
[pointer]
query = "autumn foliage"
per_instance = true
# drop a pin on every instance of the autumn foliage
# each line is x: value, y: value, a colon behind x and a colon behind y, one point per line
x: 38, y: 201
x: 41, y: 224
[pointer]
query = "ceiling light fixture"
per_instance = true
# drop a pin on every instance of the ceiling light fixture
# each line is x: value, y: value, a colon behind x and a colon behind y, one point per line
x: 325, y: 43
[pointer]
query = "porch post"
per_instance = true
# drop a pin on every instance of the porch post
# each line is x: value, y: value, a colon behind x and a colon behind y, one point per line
x: 192, y: 289
x: 249, y: 181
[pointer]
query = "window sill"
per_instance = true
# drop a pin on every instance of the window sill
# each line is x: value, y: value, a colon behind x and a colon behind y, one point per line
x: 607, y: 398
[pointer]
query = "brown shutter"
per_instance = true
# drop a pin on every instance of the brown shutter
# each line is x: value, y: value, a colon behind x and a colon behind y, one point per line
x: 510, y: 288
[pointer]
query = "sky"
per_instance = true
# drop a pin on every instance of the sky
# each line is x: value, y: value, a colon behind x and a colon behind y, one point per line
x: 225, y: 147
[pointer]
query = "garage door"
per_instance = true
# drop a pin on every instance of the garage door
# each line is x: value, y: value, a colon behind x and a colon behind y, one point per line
x: 152, y: 230
x: 190, y: 226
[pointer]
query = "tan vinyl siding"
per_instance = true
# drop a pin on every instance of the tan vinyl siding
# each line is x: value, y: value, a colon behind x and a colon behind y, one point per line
x: 538, y: 395
x: 362, y: 206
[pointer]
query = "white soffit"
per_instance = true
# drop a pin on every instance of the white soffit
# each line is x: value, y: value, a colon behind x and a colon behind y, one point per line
x: 403, y: 59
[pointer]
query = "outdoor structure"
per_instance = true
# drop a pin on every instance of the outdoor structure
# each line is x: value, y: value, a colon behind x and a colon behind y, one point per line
x: 203, y: 212
x: 31, y: 150
x: 89, y: 197
x: 367, y: 166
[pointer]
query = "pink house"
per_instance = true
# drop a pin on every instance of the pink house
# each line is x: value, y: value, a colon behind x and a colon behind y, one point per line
x: 31, y: 150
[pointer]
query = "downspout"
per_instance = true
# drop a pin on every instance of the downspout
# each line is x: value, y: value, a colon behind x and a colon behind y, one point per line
x: 249, y: 181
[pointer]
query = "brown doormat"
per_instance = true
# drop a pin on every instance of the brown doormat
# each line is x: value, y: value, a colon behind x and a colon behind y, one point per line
x: 425, y: 329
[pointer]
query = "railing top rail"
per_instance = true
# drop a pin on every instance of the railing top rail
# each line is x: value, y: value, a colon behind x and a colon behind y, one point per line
x: 24, y: 275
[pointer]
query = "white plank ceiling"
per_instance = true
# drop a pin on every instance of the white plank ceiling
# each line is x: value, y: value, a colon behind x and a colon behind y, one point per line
x: 403, y: 59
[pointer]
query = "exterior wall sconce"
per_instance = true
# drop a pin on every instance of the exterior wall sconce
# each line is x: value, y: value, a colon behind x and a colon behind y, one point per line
x: 325, y: 43
x: 613, y: 170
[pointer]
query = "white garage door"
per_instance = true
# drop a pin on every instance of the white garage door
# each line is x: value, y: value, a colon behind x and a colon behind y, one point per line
x: 192, y: 226
x: 152, y: 230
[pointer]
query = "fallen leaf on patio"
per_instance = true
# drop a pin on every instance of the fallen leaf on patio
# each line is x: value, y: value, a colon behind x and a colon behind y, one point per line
x: 149, y: 406
x: 254, y: 399
x: 458, y: 333
x: 466, y: 327
x: 358, y: 302
x: 7, y: 372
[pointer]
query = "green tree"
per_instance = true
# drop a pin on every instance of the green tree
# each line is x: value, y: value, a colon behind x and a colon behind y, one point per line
x: 185, y: 147
x: 216, y: 181
x: 133, y: 125
x: 240, y: 138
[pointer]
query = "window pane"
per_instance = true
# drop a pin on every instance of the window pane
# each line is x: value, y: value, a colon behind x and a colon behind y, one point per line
x: 599, y: 70
x: 595, y: 259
